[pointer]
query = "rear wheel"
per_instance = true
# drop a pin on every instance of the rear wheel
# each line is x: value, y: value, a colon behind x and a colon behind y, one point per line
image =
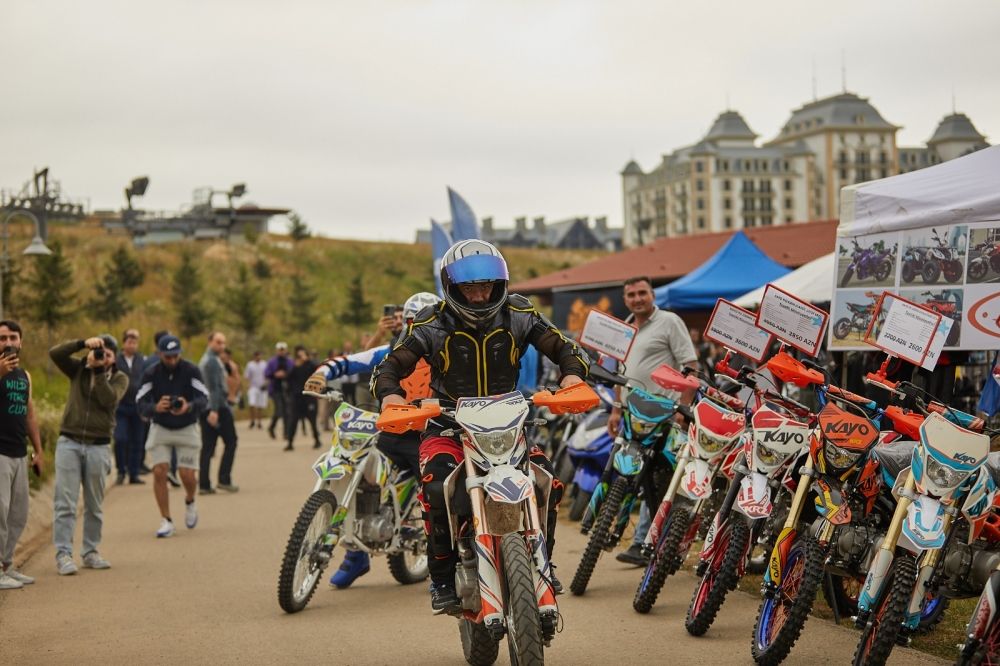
x: 908, y: 272
x: 930, y: 272
x: 879, y: 635
x: 306, y: 554
x: 847, y: 276
x: 953, y: 271
x: 664, y: 561
x: 599, y: 536
x: 842, y: 328
x: 720, y: 577
x: 883, y: 270
x: 580, y: 503
x: 783, y: 614
x: 409, y: 565
x: 478, y: 647
x: 524, y: 630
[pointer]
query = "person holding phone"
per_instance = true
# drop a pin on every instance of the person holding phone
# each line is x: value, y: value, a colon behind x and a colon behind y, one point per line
x: 17, y: 423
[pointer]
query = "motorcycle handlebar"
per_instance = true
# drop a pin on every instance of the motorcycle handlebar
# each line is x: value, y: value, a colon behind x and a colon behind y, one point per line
x: 332, y: 395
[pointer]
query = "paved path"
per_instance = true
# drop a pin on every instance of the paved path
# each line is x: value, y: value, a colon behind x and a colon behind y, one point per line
x: 208, y: 596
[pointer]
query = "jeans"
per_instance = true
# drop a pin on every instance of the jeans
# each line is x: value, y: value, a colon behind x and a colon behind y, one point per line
x: 13, y: 504
x: 77, y: 465
x: 305, y: 412
x: 129, y: 439
x: 226, y: 429
x: 645, y: 520
x: 280, y: 411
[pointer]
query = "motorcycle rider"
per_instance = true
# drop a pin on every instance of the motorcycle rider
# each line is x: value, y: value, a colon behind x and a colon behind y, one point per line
x: 402, y: 450
x: 473, y: 342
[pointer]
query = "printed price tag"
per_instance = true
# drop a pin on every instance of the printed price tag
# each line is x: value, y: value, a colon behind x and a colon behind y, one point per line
x: 735, y: 328
x: 608, y: 335
x: 937, y: 344
x: 902, y: 328
x: 791, y: 319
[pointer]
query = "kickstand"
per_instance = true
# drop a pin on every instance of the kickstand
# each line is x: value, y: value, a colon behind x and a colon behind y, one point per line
x: 831, y: 599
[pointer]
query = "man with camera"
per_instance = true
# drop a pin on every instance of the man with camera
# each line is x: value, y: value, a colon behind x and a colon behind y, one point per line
x: 83, y: 451
x: 172, y: 396
x: 17, y: 423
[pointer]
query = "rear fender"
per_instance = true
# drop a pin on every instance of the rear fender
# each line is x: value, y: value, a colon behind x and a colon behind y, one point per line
x: 754, y: 498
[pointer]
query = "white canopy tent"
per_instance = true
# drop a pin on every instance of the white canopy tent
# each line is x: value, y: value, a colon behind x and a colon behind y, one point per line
x: 961, y: 191
x: 812, y: 282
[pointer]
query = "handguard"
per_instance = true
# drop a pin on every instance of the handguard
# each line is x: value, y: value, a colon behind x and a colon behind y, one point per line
x: 788, y: 369
x: 399, y: 419
x: 574, y: 399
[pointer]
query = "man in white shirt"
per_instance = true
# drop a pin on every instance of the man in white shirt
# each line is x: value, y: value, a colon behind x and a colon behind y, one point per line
x: 662, y: 338
x: 257, y: 393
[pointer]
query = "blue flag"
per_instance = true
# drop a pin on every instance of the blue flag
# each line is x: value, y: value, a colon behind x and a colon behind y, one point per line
x: 440, y: 242
x: 464, y: 225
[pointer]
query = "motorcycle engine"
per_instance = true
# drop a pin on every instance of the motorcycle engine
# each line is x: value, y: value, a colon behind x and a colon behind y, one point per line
x: 377, y: 529
x: 969, y: 567
x: 467, y: 580
x: 853, y: 544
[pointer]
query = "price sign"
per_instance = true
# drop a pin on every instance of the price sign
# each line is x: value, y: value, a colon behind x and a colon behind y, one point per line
x: 902, y: 328
x: 608, y: 335
x: 735, y: 328
x: 791, y: 319
x: 937, y: 344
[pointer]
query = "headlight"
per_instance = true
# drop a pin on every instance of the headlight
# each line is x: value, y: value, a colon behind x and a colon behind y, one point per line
x: 838, y: 457
x: 351, y: 442
x: 767, y: 455
x: 641, y: 427
x: 496, y: 443
x: 710, y: 444
x: 944, y: 476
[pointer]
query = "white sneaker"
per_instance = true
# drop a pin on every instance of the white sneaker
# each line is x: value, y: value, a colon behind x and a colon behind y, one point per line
x: 191, y: 515
x: 65, y: 565
x: 93, y: 560
x: 21, y: 578
x: 166, y: 529
x: 8, y: 583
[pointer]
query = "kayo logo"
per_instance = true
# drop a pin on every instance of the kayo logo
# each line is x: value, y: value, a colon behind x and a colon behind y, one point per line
x: 846, y: 428
x: 962, y: 458
x: 784, y: 437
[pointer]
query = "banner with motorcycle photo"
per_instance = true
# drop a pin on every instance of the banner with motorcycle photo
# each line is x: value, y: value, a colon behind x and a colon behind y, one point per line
x: 930, y: 236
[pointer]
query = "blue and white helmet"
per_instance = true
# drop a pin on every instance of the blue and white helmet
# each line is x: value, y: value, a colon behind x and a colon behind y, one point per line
x: 418, y: 302
x: 472, y: 262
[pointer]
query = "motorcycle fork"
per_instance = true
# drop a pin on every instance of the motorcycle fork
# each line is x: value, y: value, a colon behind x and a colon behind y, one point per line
x: 660, y: 519
x: 722, y: 516
x: 772, y: 577
x: 487, y: 556
x: 928, y: 564
x: 601, y: 489
x: 879, y: 567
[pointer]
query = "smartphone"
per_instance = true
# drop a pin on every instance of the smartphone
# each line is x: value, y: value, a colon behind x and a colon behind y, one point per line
x: 9, y: 350
x: 389, y: 310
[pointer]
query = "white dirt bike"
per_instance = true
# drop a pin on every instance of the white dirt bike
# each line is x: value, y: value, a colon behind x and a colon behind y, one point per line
x: 360, y: 501
x: 503, y: 577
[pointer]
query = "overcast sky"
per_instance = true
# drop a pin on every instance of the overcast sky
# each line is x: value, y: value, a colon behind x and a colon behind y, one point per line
x: 357, y: 114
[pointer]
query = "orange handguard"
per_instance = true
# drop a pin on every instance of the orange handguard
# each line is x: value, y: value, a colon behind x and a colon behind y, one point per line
x: 674, y: 380
x: 788, y: 369
x: 574, y: 399
x: 398, y: 419
x: 904, y: 422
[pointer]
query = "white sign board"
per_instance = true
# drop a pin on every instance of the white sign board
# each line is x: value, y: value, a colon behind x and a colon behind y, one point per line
x: 902, y: 328
x: 608, y: 335
x: 943, y: 330
x: 735, y: 328
x: 791, y: 319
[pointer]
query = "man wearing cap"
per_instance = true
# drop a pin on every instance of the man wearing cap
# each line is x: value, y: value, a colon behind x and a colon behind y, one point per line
x: 83, y: 452
x: 277, y: 374
x: 172, y: 396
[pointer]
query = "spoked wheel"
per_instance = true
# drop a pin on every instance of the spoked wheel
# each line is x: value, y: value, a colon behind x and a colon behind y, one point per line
x: 782, y: 615
x: 524, y: 630
x: 664, y: 561
x: 883, y: 270
x: 720, y: 577
x: 409, y: 565
x: 932, y: 612
x: 982, y: 649
x: 842, y: 328
x: 879, y: 635
x: 306, y: 554
x: 847, y: 276
x: 478, y: 647
x: 599, y: 536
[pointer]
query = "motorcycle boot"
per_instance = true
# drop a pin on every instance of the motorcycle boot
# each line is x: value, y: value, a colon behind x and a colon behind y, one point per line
x: 355, y: 565
x: 444, y: 599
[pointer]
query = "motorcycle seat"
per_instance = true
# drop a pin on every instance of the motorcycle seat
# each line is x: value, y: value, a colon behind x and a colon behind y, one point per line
x: 857, y: 308
x: 993, y: 465
x: 894, y: 457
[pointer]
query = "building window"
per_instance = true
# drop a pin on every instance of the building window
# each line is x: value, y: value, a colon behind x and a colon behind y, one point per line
x: 883, y: 157
x: 788, y: 204
x: 726, y: 184
x: 699, y: 167
x: 788, y: 219
x: 746, y: 165
x: 748, y: 185
x: 727, y: 203
x: 788, y: 185
x: 748, y: 204
x: 785, y: 165
x: 701, y: 222
x: 843, y: 174
x: 727, y: 222
x: 765, y: 221
x: 842, y: 158
x: 765, y: 204
x: 862, y: 176
x: 749, y: 221
x: 699, y: 185
x: 765, y: 186
x: 700, y: 204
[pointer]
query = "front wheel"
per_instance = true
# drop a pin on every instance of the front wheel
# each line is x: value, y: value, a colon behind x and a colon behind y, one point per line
x: 599, y: 536
x: 842, y: 328
x: 306, y: 554
x: 409, y: 565
x: 783, y: 614
x: 664, y: 561
x: 847, y: 276
x: 478, y: 647
x: 879, y: 635
x: 930, y: 272
x: 977, y: 270
x: 721, y: 576
x: 908, y: 272
x: 524, y: 630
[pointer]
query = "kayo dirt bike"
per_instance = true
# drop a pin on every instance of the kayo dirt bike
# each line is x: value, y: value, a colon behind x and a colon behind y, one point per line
x: 704, y: 464
x: 360, y: 501
x: 504, y: 576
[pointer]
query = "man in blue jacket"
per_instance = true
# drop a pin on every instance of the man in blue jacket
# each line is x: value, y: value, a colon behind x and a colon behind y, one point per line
x: 128, y: 425
x: 172, y: 396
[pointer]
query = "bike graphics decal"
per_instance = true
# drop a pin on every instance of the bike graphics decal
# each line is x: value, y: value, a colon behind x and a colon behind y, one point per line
x: 845, y: 429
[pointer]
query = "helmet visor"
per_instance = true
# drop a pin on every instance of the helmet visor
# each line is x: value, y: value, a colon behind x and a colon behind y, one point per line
x: 477, y: 268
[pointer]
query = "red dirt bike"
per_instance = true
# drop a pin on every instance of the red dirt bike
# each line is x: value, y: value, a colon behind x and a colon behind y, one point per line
x: 947, y: 305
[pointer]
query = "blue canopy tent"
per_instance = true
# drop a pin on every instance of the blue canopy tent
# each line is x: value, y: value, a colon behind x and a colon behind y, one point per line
x: 738, y: 267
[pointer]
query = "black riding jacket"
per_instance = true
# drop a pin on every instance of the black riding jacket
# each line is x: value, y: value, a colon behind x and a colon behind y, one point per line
x: 471, y: 362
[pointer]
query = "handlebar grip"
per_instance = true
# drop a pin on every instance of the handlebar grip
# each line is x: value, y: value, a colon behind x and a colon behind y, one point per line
x: 686, y: 412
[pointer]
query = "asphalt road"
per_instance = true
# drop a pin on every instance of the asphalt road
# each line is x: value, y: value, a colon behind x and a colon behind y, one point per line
x: 208, y: 595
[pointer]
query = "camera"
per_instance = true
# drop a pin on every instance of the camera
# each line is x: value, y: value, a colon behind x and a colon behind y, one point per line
x: 99, y: 354
x: 176, y: 402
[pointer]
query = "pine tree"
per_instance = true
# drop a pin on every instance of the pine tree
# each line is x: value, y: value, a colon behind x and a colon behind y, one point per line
x: 244, y: 303
x: 50, y: 300
x: 297, y: 227
x: 358, y: 310
x: 301, y: 300
x: 122, y: 274
x: 186, y: 289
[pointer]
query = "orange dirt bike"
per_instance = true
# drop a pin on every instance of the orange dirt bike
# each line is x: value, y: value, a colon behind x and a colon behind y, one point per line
x: 503, y: 577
